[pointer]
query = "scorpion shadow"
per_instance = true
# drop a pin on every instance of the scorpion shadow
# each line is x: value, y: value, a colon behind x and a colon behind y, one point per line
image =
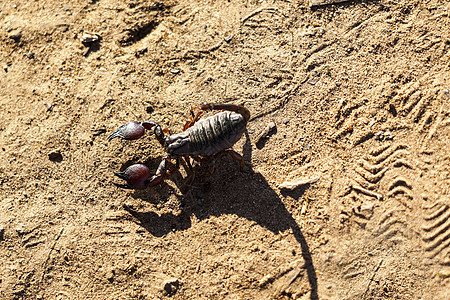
x: 257, y: 201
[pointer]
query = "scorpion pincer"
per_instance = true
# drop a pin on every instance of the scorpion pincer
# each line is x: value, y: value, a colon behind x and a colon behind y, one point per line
x: 208, y: 138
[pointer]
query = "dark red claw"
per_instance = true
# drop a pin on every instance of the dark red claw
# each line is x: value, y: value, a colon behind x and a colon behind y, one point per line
x: 129, y: 131
x: 135, y: 175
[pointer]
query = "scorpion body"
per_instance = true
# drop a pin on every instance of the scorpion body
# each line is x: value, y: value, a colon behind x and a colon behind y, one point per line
x: 211, y: 137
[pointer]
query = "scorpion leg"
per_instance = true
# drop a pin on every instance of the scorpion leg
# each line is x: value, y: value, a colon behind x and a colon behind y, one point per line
x: 237, y: 157
x: 162, y: 172
x: 194, y: 117
x: 190, y: 179
x: 240, y: 109
x: 234, y: 155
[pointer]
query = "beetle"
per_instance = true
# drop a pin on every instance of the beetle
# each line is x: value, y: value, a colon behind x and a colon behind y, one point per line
x: 208, y: 138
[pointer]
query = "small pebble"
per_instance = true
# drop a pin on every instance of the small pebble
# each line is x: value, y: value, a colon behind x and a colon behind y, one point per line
x: 268, y: 130
x: 2, y: 233
x: 444, y: 273
x: 290, y: 185
x: 5, y: 67
x: 170, y: 286
x: 388, y: 136
x: 141, y: 51
x: 447, y: 93
x: 29, y: 55
x: 365, y: 210
x: 174, y: 71
x: 88, y: 39
x: 110, y: 275
x: 228, y: 38
x: 55, y: 155
x: 149, y: 109
x: 384, y: 136
x: 15, y: 35
x: 20, y: 229
x: 314, y: 80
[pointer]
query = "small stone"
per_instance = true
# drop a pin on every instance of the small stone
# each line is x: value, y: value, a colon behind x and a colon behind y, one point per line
x: 384, y: 136
x: 110, y: 275
x: 290, y: 185
x: 388, y: 135
x: 378, y: 135
x: 29, y: 55
x: 270, y: 129
x: 141, y: 51
x: 5, y: 67
x: 175, y: 71
x: 2, y: 233
x: 149, y: 109
x: 365, y: 211
x: 15, y: 35
x: 228, y: 38
x: 170, y: 286
x: 20, y: 229
x: 314, y: 80
x: 55, y: 155
x: 447, y: 93
x: 115, y: 215
x: 266, y: 279
x: 88, y: 38
x: 444, y: 273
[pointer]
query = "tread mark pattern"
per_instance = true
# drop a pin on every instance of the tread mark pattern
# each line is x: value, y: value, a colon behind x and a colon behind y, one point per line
x: 416, y: 105
x: 419, y: 109
x: 437, y: 231
x: 401, y: 190
x: 413, y: 100
x: 392, y: 224
x: 372, y: 168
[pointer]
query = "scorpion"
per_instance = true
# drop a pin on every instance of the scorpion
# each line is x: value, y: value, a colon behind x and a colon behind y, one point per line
x: 208, y: 138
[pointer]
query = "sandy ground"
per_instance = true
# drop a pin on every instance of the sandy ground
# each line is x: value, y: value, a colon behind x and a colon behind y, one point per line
x: 359, y: 95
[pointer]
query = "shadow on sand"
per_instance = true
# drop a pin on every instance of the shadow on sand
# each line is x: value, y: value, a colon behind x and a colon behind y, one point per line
x: 245, y: 194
